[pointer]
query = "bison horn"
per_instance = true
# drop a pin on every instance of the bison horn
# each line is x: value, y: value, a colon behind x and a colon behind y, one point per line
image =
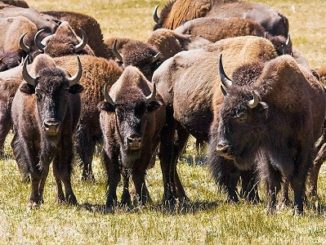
x: 115, y: 51
x: 83, y: 42
x: 22, y: 44
x: 255, y: 100
x: 155, y: 15
x: 107, y: 97
x: 27, y: 77
x: 75, y: 79
x: 156, y: 57
x: 288, y: 40
x: 152, y: 96
x: 226, y: 82
x: 37, y: 40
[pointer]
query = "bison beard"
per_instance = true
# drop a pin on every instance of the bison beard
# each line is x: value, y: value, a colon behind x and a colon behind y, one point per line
x: 267, y: 123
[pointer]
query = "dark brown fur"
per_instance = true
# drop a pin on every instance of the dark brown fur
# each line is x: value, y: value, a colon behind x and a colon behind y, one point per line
x: 187, y: 83
x: 129, y: 118
x: 34, y: 148
x: 17, y: 3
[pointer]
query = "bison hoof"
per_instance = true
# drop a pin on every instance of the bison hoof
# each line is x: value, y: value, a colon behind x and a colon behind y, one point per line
x: 126, y: 199
x: 72, y: 200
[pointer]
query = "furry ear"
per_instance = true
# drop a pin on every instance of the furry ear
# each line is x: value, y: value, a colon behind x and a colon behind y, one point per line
x: 27, y: 88
x: 76, y: 89
x: 105, y: 106
x: 153, y: 105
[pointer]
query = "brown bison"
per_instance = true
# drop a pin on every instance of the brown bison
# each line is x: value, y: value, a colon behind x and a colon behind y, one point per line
x: 147, y: 56
x: 81, y: 22
x: 17, y: 32
x: 131, y: 119
x: 176, y: 12
x: 96, y: 73
x: 273, y: 121
x: 45, y: 112
x: 215, y: 29
x: 17, y: 3
x: 187, y: 83
x: 63, y: 42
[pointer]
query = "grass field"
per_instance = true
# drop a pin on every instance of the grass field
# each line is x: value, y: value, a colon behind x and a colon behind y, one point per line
x: 207, y: 219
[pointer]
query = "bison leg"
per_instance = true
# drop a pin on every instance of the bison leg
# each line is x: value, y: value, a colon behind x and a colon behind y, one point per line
x: 62, y: 166
x: 35, y: 198
x: 60, y: 194
x: 141, y: 189
x: 166, y: 161
x: 179, y: 145
x: 113, y: 173
x: 273, y: 184
x: 249, y: 186
x: 5, y: 126
x: 285, y: 200
x: 85, y: 147
x: 314, y: 171
x: 21, y: 159
x: 125, y: 198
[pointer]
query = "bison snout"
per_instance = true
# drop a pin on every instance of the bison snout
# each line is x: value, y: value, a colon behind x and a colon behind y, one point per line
x: 134, y: 142
x: 51, y: 127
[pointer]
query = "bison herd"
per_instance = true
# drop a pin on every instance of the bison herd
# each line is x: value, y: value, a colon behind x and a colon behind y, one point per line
x: 224, y: 72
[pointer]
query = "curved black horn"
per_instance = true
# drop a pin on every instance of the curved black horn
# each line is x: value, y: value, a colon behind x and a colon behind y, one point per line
x: 84, y: 41
x: 37, y: 40
x: 22, y: 45
x: 107, y: 97
x: 27, y: 77
x: 75, y: 79
x: 155, y: 15
x: 255, y: 100
x: 152, y: 96
x: 288, y: 40
x: 226, y: 82
x: 115, y: 51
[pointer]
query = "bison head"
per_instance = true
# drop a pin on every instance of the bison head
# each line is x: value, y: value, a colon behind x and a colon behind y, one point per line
x: 63, y: 42
x: 142, y: 55
x: 243, y: 118
x: 51, y: 87
x: 129, y: 113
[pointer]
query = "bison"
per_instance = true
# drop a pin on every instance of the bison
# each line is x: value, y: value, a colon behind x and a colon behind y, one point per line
x: 131, y: 119
x: 45, y: 112
x: 273, y: 121
x: 17, y: 3
x: 187, y: 82
x: 215, y: 29
x: 81, y: 22
x: 176, y: 12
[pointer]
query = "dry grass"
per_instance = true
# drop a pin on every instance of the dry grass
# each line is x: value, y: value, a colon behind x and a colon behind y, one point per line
x: 208, y: 219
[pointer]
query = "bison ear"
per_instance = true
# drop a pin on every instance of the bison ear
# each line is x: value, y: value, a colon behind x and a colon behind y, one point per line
x: 105, y: 106
x: 153, y: 105
x: 76, y: 89
x: 27, y: 88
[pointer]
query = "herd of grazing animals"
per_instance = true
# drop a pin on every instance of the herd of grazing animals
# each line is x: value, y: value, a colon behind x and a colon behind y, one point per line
x: 223, y: 71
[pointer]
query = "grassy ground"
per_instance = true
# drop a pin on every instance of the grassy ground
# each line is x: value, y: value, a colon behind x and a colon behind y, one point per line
x: 208, y: 219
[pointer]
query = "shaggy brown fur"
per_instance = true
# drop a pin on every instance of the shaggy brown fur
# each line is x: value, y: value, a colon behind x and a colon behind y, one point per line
x: 176, y: 12
x: 96, y: 73
x: 87, y: 23
x: 188, y: 81
x: 294, y: 111
x: 137, y: 119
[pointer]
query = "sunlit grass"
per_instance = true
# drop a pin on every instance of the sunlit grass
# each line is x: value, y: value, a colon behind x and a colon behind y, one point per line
x: 207, y: 219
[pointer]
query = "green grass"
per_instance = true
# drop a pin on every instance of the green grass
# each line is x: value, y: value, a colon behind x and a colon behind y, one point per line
x: 208, y: 219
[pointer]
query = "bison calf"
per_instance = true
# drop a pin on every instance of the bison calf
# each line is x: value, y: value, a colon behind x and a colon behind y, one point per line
x: 45, y: 112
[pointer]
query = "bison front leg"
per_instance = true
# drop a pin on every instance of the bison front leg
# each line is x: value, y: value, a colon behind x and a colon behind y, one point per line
x: 125, y: 198
x: 5, y: 125
x: 250, y: 186
x: 85, y: 147
x: 62, y: 168
x: 113, y: 175
x: 273, y: 184
x: 141, y: 189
